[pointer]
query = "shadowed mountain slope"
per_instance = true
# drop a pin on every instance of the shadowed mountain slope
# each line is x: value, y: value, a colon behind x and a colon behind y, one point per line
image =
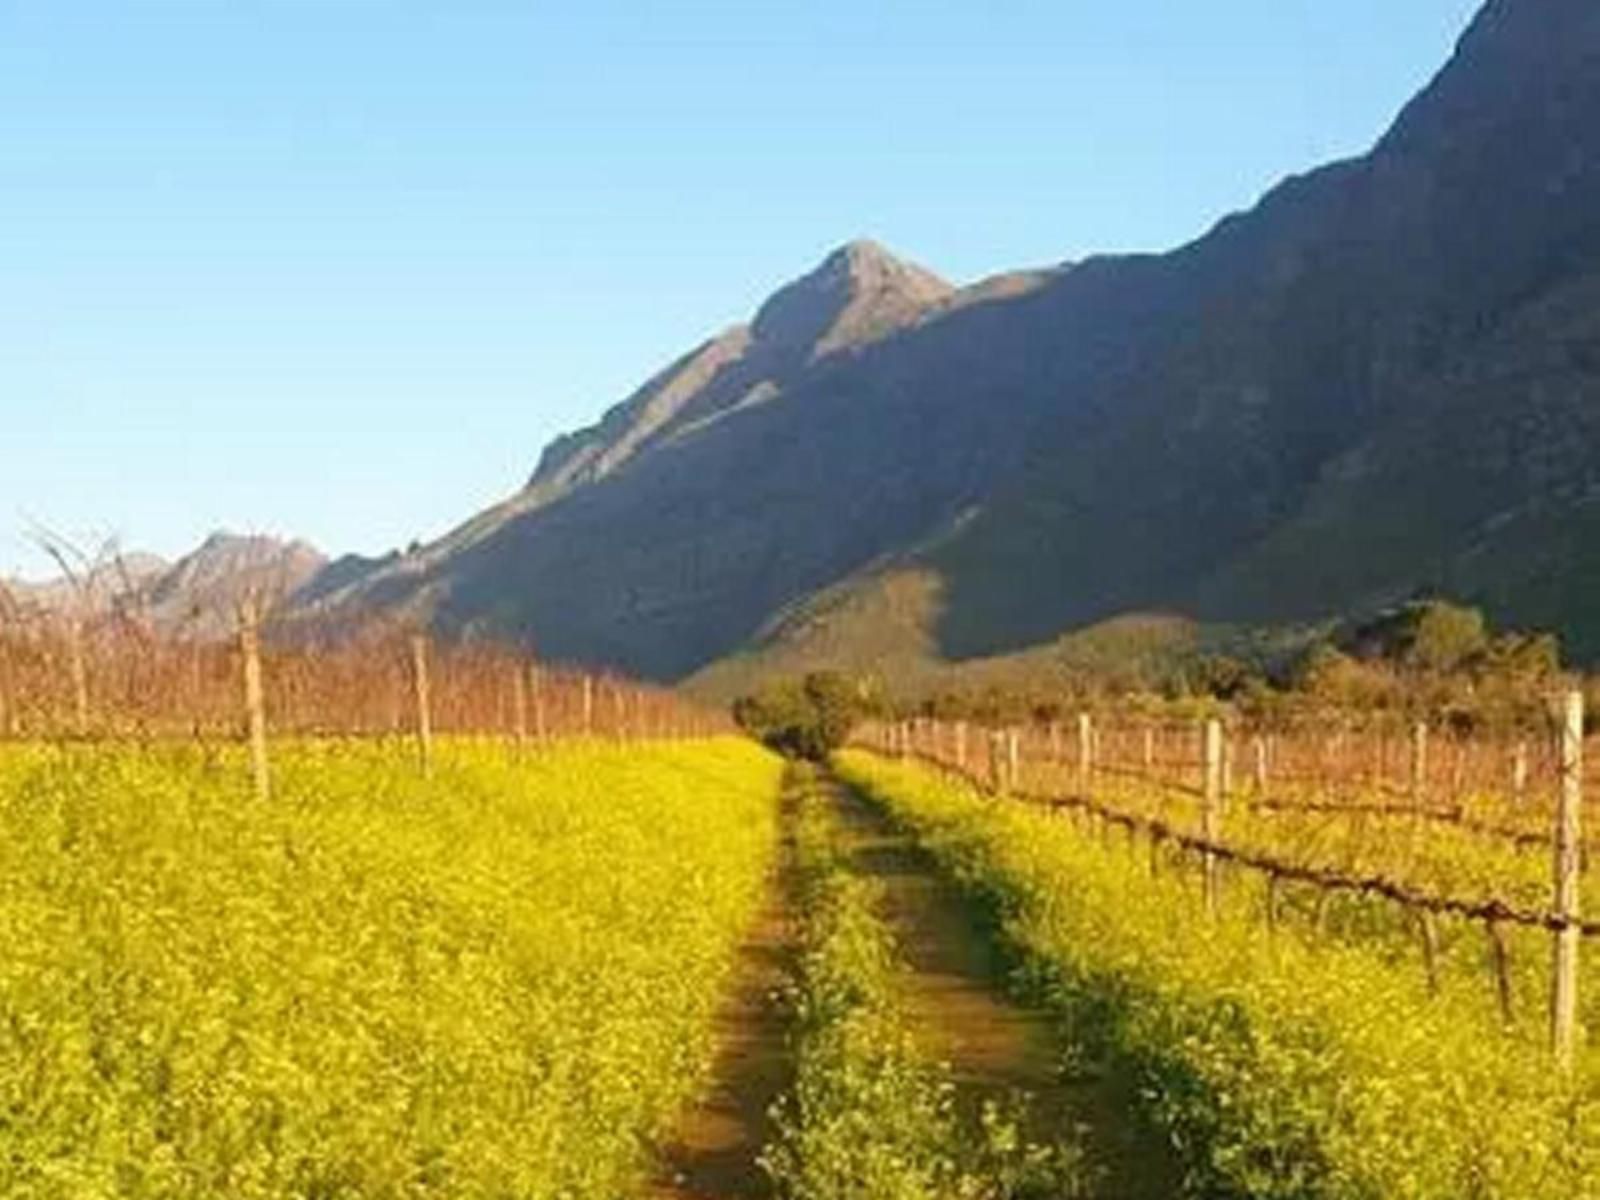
x: 1381, y: 378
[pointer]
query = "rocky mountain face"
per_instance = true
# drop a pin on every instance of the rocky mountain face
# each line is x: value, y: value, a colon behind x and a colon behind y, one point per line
x: 197, y: 596
x: 1384, y: 377
x: 857, y: 295
x: 201, y: 593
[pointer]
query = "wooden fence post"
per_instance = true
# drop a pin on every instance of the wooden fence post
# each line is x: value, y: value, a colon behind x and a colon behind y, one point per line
x: 254, y: 705
x: 1430, y: 948
x: 588, y: 705
x: 80, y: 677
x: 419, y: 681
x: 1500, y: 957
x: 1149, y: 748
x: 1519, y: 771
x: 961, y: 745
x: 1211, y: 815
x: 534, y: 685
x: 1260, y: 746
x: 519, y: 699
x: 1013, y: 759
x: 1419, y: 763
x: 1085, y: 751
x: 1568, y: 864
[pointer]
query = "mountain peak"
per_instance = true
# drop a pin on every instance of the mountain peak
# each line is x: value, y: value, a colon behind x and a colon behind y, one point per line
x: 863, y: 255
x: 1522, y: 68
x: 858, y: 292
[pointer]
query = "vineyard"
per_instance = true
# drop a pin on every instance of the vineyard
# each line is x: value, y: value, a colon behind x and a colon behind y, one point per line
x: 1351, y: 968
x: 404, y: 919
x: 114, y: 679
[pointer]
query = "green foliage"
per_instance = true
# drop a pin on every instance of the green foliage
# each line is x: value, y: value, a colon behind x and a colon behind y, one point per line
x: 1435, y: 636
x: 1425, y: 658
x: 1218, y: 675
x: 498, y: 981
x: 1446, y: 636
x: 809, y: 718
x: 1282, y: 1066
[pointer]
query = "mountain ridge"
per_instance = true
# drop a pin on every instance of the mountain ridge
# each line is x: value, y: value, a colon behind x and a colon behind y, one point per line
x: 196, y: 595
x: 1229, y: 430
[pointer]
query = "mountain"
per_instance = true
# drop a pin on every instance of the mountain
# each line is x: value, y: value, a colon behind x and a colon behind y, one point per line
x: 1384, y: 377
x: 200, y: 594
x: 197, y: 596
x: 98, y: 586
x: 858, y: 294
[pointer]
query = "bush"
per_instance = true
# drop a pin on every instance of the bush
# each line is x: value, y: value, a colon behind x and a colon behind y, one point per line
x: 807, y: 719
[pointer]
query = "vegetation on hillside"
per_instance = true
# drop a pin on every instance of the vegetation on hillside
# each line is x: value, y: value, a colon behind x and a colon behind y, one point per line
x: 1429, y: 656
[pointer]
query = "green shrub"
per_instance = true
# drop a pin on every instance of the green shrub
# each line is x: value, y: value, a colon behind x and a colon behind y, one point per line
x: 808, y: 719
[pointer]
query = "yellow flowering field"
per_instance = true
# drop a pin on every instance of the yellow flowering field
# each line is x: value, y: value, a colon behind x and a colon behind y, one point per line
x: 1282, y: 1064
x: 495, y: 981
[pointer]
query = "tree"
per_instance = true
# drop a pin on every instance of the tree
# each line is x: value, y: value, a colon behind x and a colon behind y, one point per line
x: 1219, y: 675
x: 809, y: 719
x: 1445, y: 636
x: 835, y: 707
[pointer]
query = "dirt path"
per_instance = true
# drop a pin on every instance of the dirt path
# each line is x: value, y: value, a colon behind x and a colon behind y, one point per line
x: 956, y: 994
x: 956, y: 997
x: 714, y: 1154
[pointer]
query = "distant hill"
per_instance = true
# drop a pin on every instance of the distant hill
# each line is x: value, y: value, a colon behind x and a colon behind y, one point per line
x: 200, y: 594
x: 197, y: 596
x: 1382, y: 378
x: 882, y: 629
x: 97, y: 587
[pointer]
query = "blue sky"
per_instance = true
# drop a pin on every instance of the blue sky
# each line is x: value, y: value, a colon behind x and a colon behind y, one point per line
x: 339, y: 268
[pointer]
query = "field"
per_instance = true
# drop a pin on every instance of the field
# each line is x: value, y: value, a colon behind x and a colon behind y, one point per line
x: 443, y: 923
x: 1353, y: 1008
x: 496, y: 980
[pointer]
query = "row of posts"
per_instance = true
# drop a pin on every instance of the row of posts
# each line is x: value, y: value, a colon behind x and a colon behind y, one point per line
x: 1005, y: 770
x: 1004, y: 755
x: 522, y: 676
